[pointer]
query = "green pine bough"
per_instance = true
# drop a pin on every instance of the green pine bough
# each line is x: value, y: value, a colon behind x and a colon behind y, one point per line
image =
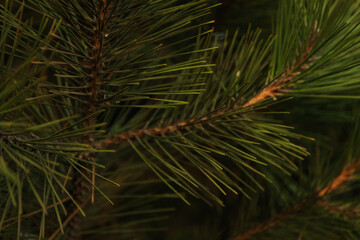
x: 112, y: 112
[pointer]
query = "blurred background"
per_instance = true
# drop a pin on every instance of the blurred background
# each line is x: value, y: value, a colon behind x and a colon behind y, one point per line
x: 233, y: 14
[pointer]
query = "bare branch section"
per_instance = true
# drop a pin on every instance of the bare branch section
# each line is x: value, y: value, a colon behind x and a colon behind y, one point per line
x: 346, y: 175
x: 272, y: 90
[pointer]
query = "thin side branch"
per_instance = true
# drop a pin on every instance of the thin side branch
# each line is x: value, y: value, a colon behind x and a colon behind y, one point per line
x: 68, y: 220
x: 349, y: 211
x: 271, y: 223
x: 27, y: 215
x: 346, y: 175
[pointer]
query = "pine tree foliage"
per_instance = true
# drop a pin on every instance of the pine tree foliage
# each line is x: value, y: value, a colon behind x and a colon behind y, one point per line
x: 111, y: 108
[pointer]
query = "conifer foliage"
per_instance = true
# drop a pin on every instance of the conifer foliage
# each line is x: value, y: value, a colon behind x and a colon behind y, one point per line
x: 112, y: 111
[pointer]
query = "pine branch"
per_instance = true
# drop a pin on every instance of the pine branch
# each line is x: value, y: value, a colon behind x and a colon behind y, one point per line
x: 113, y: 61
x: 349, y: 211
x: 74, y: 216
x: 80, y: 186
x: 229, y: 86
x: 206, y: 137
x: 273, y: 222
x: 276, y: 86
x: 37, y: 211
x: 96, y: 74
x: 346, y: 175
x: 80, y: 48
x: 270, y: 91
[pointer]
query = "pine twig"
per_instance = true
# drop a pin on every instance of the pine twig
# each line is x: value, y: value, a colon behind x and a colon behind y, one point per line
x: 269, y: 92
x: 69, y: 219
x: 37, y: 211
x: 272, y: 222
x: 67, y: 178
x: 348, y: 210
x: 346, y: 175
x: 80, y: 187
x: 20, y: 18
x: 272, y: 90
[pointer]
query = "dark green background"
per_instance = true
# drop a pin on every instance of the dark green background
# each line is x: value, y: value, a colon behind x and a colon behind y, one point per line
x: 234, y: 14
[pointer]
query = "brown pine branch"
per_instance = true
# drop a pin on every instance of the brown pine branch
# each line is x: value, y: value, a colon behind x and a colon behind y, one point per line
x: 30, y: 214
x: 272, y: 222
x: 271, y: 91
x: 81, y: 188
x: 96, y: 78
x: 68, y: 220
x: 348, y: 211
x: 346, y: 175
